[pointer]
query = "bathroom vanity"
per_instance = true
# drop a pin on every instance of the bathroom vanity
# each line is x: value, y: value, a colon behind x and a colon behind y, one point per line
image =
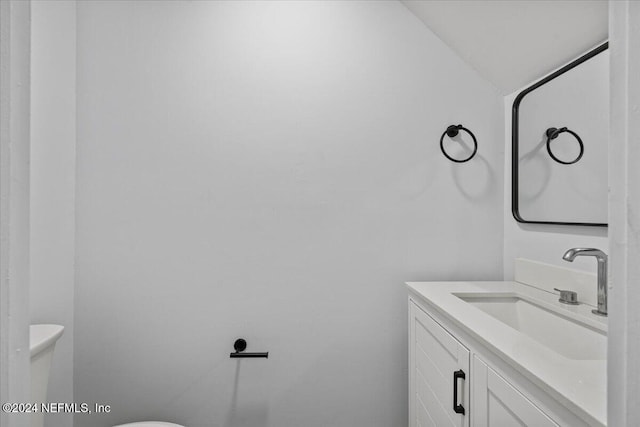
x: 503, y: 354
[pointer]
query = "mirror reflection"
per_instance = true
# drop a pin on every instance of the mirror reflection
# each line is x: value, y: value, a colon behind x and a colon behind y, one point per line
x: 560, y: 138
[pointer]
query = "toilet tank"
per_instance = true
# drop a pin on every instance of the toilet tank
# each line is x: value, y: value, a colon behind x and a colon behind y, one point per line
x: 42, y: 342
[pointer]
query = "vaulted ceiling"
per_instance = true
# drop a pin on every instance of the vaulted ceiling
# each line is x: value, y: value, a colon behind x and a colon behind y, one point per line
x: 514, y: 42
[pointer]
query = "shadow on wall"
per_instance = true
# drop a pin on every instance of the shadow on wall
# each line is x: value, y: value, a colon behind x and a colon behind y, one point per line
x: 532, y: 188
x: 253, y: 413
x: 246, y: 407
x: 474, y: 178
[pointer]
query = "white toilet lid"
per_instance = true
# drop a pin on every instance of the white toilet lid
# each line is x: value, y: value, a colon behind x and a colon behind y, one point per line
x: 149, y: 424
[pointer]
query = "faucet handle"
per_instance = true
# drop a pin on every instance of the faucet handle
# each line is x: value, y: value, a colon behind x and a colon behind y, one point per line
x: 567, y: 297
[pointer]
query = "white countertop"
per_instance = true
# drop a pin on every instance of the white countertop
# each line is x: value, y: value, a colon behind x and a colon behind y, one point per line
x: 580, y: 385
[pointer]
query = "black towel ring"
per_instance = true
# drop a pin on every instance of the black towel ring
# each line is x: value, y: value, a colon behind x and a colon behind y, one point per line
x: 452, y: 131
x: 552, y: 133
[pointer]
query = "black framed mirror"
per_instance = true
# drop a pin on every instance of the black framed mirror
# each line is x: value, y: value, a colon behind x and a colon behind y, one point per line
x: 560, y: 129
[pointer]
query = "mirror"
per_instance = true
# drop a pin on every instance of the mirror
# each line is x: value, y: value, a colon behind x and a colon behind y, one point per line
x: 560, y: 134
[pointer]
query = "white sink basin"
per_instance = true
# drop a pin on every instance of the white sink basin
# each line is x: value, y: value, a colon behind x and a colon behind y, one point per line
x: 557, y: 331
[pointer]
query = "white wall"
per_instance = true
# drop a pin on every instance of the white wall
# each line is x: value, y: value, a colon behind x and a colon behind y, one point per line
x: 542, y: 242
x: 268, y: 170
x: 53, y: 134
x: 623, y: 374
x: 14, y: 207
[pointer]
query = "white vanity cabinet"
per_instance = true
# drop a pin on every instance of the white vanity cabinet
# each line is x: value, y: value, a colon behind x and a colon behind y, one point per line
x: 452, y: 384
x: 438, y: 379
x: 498, y: 403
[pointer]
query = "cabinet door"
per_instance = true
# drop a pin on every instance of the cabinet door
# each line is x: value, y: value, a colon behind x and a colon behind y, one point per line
x: 496, y: 403
x: 438, y: 370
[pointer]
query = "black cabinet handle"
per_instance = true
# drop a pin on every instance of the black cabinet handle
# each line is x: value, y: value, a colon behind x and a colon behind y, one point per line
x: 457, y: 408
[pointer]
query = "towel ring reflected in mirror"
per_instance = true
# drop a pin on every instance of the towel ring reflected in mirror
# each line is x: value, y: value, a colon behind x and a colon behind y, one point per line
x: 552, y: 133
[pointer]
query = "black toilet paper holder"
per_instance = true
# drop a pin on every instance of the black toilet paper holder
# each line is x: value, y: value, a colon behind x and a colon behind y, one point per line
x: 240, y: 346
